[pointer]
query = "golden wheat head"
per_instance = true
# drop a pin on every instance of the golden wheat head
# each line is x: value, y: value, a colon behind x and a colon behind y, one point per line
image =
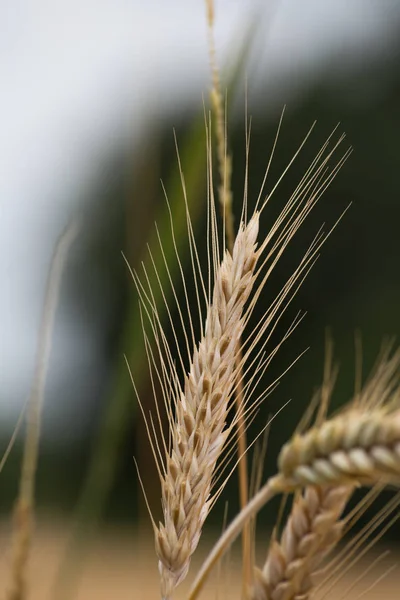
x: 360, y: 444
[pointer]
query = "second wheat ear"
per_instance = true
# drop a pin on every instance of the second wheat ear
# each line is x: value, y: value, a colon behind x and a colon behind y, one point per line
x: 362, y: 443
x: 312, y: 530
x: 357, y: 446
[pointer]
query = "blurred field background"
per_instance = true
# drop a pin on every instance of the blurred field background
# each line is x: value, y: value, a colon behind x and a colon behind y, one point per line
x: 91, y: 93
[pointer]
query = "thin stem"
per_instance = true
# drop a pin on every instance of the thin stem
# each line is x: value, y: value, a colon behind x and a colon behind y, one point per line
x: 23, y: 511
x: 225, y: 202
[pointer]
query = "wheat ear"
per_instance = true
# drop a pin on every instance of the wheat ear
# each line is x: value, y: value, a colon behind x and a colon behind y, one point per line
x: 310, y: 534
x: 197, y: 404
x: 362, y: 443
x: 357, y: 446
x: 199, y: 432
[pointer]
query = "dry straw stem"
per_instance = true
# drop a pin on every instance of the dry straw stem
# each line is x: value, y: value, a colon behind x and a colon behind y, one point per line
x: 225, y: 202
x: 198, y: 408
x: 224, y: 157
x: 310, y: 534
x: 23, y: 512
x: 362, y: 443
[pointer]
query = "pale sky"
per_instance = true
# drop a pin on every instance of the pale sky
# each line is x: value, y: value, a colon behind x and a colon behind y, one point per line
x: 78, y: 75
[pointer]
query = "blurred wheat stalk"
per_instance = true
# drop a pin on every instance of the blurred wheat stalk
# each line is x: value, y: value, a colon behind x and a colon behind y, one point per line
x: 24, y: 507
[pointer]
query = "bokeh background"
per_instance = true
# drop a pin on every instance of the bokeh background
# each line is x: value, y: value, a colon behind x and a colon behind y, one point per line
x: 90, y: 95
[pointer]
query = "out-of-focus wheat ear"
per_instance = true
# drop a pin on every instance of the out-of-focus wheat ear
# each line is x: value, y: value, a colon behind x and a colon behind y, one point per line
x: 24, y: 506
x: 310, y: 534
x: 361, y: 443
x: 223, y: 155
x: 313, y: 527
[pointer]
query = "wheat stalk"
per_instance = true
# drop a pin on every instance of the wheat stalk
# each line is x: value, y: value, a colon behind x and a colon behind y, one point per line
x: 226, y: 210
x: 310, y: 534
x: 24, y: 506
x: 199, y: 433
x: 197, y: 410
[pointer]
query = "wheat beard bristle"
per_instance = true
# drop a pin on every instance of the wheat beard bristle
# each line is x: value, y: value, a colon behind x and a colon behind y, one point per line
x: 199, y: 431
x: 359, y: 445
x: 312, y: 531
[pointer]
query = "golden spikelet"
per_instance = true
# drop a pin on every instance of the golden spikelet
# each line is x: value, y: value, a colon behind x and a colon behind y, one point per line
x: 360, y: 444
x: 199, y: 433
x: 310, y: 534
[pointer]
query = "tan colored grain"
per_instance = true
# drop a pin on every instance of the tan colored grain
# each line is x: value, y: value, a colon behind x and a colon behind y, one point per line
x: 200, y: 432
x: 198, y: 426
x: 312, y: 531
x: 359, y: 446
x: 361, y: 443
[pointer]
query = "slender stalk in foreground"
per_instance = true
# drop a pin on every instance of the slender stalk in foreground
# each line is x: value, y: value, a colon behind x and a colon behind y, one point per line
x: 23, y: 512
